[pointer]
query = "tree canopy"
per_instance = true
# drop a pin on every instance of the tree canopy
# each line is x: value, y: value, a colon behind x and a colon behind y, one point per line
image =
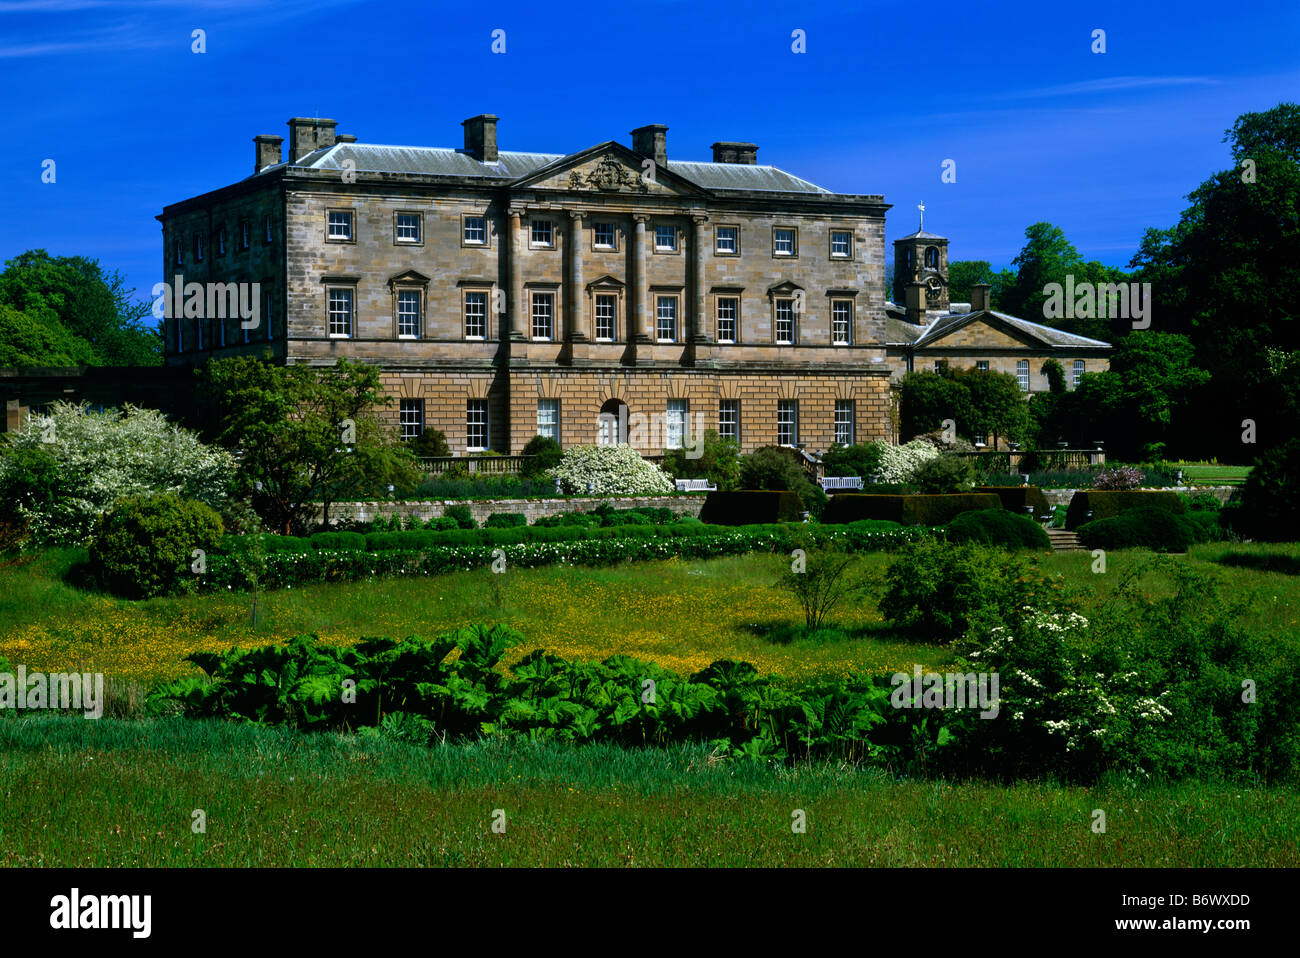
x: 67, y: 311
x: 305, y: 435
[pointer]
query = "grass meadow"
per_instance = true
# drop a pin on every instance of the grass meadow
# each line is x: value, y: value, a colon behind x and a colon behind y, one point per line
x: 123, y: 794
x: 121, y: 791
x: 681, y: 614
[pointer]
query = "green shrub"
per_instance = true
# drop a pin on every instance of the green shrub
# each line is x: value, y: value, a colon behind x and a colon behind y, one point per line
x: 945, y: 475
x: 430, y: 444
x: 779, y: 468
x: 338, y: 540
x: 546, y: 453
x: 1153, y: 529
x: 749, y: 506
x: 940, y: 589
x: 1107, y: 504
x: 462, y: 516
x: 1271, y: 494
x: 998, y: 527
x: 505, y: 520
x: 906, y: 510
x: 441, y: 524
x: 715, y: 459
x: 865, y: 460
x: 1205, y: 526
x: 143, y: 545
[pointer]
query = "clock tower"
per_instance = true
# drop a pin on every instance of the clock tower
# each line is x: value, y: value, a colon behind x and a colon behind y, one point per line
x: 922, y: 257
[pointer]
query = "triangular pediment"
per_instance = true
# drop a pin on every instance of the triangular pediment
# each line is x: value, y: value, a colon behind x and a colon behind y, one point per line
x: 606, y: 282
x: 784, y: 289
x: 983, y: 330
x: 408, y: 277
x: 609, y: 168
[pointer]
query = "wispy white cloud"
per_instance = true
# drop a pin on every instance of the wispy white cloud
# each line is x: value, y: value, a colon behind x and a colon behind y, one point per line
x: 136, y: 33
x: 1113, y: 85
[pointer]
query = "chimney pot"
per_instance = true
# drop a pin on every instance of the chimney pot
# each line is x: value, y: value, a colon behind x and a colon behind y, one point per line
x: 307, y: 134
x: 652, y: 141
x: 481, y: 136
x: 743, y: 153
x: 266, y: 152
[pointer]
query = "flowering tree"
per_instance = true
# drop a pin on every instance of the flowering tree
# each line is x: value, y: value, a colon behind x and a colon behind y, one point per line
x: 610, y: 471
x: 62, y: 470
x: 899, y: 463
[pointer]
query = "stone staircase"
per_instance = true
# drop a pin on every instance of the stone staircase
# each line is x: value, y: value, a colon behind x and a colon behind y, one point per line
x: 1063, y: 541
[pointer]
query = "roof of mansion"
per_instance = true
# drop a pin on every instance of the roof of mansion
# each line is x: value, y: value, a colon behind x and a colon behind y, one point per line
x: 512, y: 165
x: 899, y: 332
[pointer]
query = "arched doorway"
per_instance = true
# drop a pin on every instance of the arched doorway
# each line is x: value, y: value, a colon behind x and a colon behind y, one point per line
x: 613, y: 423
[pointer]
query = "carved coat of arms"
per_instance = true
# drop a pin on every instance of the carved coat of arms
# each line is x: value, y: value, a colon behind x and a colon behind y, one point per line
x: 609, y: 175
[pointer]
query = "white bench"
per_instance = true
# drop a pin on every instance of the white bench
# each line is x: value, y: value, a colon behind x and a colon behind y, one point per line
x: 830, y: 483
x: 695, y: 485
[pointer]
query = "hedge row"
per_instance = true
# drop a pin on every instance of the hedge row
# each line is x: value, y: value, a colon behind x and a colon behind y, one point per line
x: 1109, y: 503
x: 748, y: 506
x: 906, y: 510
x: 487, y: 536
x: 285, y: 569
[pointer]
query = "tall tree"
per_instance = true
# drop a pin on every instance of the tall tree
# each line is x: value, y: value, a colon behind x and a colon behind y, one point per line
x: 965, y: 273
x: 305, y: 435
x: 73, y: 297
x: 1228, y: 276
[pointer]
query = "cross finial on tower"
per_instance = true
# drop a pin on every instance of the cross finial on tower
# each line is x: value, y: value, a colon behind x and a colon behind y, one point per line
x: 921, y: 225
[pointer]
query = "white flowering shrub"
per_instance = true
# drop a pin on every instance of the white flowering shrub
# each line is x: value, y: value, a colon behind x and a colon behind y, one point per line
x: 899, y: 463
x: 61, y: 471
x: 1068, y: 700
x: 610, y: 471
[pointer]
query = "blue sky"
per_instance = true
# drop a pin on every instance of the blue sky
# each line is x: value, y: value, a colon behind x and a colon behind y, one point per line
x: 1039, y: 126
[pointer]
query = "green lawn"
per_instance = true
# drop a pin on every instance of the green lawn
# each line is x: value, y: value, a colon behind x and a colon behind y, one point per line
x: 1203, y: 474
x: 122, y: 794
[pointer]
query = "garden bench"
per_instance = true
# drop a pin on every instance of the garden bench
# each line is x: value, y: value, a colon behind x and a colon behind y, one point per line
x: 695, y: 485
x: 830, y: 483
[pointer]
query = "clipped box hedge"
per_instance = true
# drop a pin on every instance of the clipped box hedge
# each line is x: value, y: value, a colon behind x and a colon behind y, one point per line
x: 1016, y: 498
x: 907, y: 510
x: 1109, y: 503
x: 747, y: 507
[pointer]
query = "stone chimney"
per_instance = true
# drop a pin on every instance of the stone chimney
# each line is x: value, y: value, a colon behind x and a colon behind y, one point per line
x: 979, y: 297
x: 267, y: 152
x: 307, y: 134
x: 481, y: 137
x: 915, y: 305
x: 345, y: 138
x: 651, y: 141
x: 743, y: 153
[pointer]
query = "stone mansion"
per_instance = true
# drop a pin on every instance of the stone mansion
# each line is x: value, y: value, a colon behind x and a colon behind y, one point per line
x: 509, y: 294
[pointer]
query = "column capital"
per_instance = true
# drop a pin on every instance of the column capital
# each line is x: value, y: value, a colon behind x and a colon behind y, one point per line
x: 641, y: 218
x: 577, y: 215
x: 699, y: 219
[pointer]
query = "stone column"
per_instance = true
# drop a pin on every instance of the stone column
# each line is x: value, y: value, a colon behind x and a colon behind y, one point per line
x: 517, y: 306
x: 575, y: 297
x: 701, y: 329
x: 636, y: 331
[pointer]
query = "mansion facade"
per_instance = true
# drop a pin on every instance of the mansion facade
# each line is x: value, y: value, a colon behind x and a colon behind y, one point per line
x: 508, y: 294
